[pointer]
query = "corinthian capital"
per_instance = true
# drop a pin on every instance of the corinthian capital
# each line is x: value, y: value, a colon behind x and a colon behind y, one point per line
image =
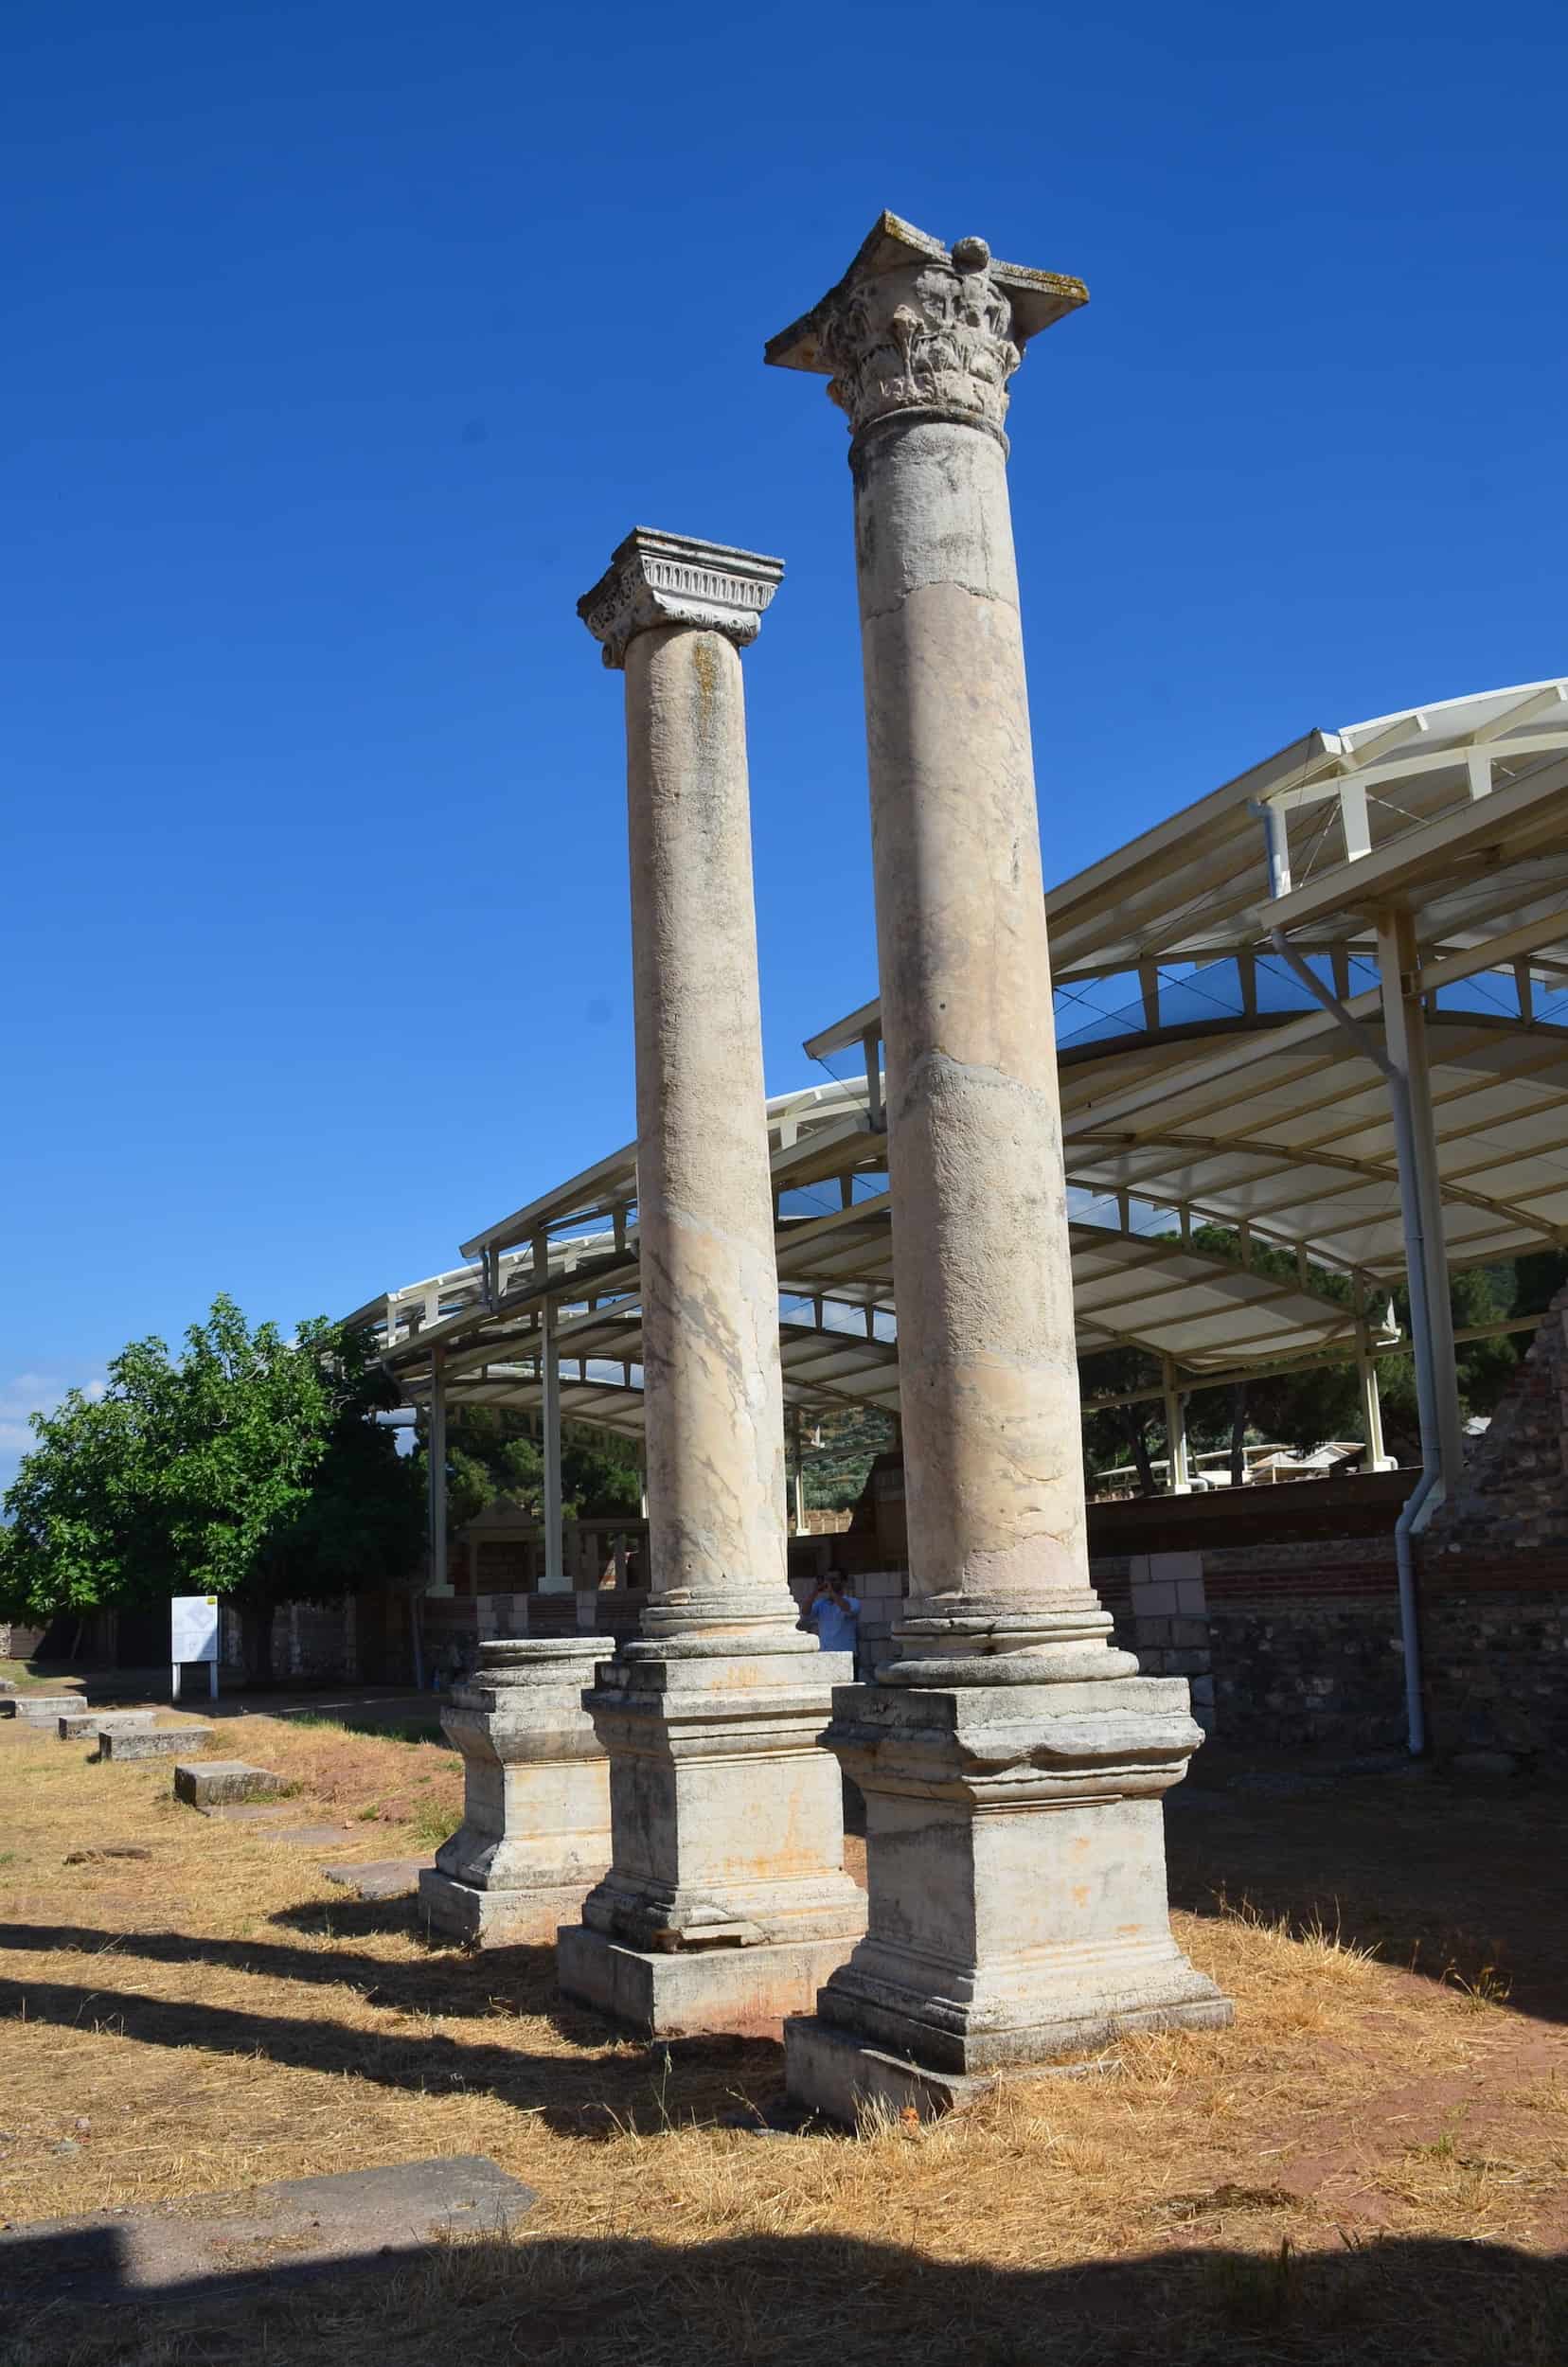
x: 910, y: 327
x: 674, y: 580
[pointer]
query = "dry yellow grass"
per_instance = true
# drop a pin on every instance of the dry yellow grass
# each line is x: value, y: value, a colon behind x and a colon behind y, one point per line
x: 1370, y: 2164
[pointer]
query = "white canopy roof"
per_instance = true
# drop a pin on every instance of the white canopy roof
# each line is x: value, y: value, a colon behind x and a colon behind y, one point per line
x: 1199, y: 1081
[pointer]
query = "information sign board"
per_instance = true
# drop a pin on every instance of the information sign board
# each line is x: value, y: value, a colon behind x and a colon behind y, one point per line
x: 193, y: 1636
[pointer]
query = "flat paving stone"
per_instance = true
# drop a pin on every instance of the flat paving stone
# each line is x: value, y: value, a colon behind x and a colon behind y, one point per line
x: 223, y: 1813
x: 312, y: 1835
x: 205, y: 1781
x: 381, y: 1878
x: 176, y: 2251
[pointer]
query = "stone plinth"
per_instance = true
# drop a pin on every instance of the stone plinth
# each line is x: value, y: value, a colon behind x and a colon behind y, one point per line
x: 1010, y: 1757
x: 727, y: 1902
x: 726, y: 1893
x: 1015, y: 1851
x: 121, y: 1744
x: 535, y: 1835
x: 219, y: 1783
x: 78, y: 1723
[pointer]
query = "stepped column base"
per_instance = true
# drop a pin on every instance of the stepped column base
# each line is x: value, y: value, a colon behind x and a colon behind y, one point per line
x: 1015, y: 1849
x: 534, y: 1836
x: 727, y: 1903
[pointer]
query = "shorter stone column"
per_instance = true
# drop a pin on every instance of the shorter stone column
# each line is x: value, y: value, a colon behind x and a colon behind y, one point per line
x: 534, y: 1836
x: 727, y: 1902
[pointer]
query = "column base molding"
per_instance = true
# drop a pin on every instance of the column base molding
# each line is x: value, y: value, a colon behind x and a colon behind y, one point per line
x: 534, y: 1836
x: 727, y: 1893
x: 829, y: 2071
x: 1016, y: 1852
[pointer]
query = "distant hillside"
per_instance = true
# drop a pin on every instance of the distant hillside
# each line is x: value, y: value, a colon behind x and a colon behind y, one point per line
x: 836, y: 1470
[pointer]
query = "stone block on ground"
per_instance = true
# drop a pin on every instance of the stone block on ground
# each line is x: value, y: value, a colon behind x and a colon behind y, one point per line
x: 149, y: 1742
x: 81, y: 1725
x: 748, y: 1991
x: 213, y: 1782
x: 40, y: 1709
x: 501, y: 1918
x: 381, y: 1878
x: 283, y: 2233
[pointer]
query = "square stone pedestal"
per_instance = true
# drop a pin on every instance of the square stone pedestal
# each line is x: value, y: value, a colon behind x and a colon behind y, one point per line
x: 727, y: 1901
x: 534, y: 1836
x: 1015, y: 1852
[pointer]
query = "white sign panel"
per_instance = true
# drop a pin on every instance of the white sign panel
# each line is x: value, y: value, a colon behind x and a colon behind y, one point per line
x: 193, y: 1628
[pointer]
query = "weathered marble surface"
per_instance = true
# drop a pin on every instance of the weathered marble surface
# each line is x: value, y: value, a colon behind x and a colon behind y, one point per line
x: 535, y: 1835
x: 726, y: 1815
x: 1013, y: 1844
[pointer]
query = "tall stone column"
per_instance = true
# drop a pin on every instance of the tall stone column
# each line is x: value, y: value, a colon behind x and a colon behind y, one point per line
x: 726, y: 1901
x: 1012, y: 1759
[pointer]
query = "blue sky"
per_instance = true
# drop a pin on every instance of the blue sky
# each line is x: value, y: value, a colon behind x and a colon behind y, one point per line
x: 346, y: 341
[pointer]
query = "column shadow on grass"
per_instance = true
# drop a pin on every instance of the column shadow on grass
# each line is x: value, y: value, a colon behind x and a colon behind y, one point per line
x: 590, y: 2096
x: 448, y: 1981
x: 796, y: 2302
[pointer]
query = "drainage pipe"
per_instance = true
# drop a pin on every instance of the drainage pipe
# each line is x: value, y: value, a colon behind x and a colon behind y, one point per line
x: 1434, y: 1478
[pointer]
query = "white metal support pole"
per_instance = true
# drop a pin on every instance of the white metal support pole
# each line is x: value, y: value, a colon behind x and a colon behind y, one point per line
x: 174, y: 1681
x: 553, y: 1580
x: 437, y: 1489
x: 797, y: 1446
x: 1377, y: 1455
x: 1178, y: 1479
x: 1404, y: 1033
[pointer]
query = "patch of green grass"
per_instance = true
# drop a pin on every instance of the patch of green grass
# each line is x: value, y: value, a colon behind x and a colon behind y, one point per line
x: 432, y: 1825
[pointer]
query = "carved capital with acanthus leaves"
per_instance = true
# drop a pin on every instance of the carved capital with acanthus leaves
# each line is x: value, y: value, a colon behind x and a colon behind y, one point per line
x: 674, y: 580
x: 914, y: 328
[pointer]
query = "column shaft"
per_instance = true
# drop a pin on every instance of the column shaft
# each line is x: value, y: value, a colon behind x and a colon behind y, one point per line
x: 988, y: 1372
x: 713, y: 1395
x: 726, y: 1899
x: 1011, y: 1762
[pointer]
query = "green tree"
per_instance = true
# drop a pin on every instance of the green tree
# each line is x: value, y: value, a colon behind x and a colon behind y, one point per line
x: 1115, y: 1435
x: 491, y: 1453
x: 253, y: 1467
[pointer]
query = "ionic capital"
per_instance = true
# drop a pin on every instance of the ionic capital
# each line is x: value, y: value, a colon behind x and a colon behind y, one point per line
x: 912, y: 327
x: 674, y: 580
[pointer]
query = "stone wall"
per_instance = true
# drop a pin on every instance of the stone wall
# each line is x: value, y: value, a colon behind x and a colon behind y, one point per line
x: 1515, y: 1490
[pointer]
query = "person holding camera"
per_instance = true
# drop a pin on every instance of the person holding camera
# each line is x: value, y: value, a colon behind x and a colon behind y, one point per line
x: 834, y: 1616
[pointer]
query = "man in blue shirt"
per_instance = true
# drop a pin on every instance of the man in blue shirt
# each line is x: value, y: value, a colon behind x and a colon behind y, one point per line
x: 834, y: 1616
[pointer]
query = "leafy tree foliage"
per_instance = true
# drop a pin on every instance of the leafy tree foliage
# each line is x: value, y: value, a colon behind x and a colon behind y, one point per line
x: 851, y: 1441
x: 252, y: 1467
x: 489, y: 1453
